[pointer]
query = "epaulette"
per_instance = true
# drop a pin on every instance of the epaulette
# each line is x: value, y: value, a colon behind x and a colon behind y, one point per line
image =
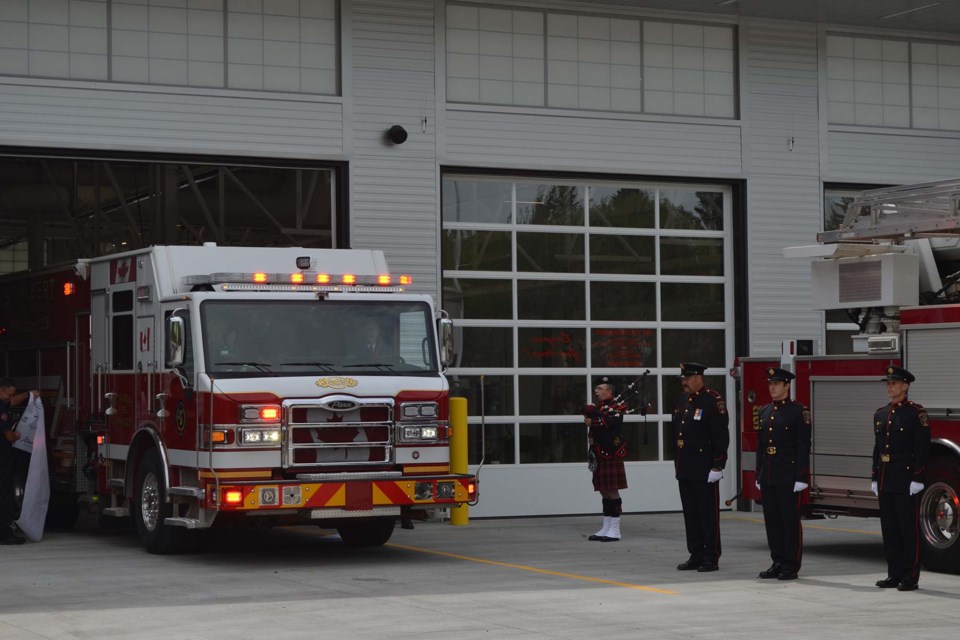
x: 918, y: 407
x: 715, y: 394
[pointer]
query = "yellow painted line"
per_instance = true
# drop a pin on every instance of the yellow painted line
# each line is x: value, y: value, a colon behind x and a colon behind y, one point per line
x: 523, y: 567
x: 812, y: 526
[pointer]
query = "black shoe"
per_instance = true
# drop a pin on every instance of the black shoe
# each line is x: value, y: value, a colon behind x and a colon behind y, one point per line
x: 10, y: 538
x: 888, y: 583
x: 770, y: 573
x: 689, y: 565
x: 708, y: 566
x: 787, y: 575
x: 406, y: 523
x: 596, y: 538
x: 609, y: 539
x: 907, y: 586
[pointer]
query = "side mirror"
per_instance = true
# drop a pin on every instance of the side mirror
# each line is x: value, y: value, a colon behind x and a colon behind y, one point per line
x: 175, y: 346
x: 447, y: 350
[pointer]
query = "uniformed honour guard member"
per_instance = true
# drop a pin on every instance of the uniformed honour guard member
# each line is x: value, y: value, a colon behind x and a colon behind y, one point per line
x: 606, y: 451
x: 901, y: 443
x: 700, y: 422
x: 783, y: 472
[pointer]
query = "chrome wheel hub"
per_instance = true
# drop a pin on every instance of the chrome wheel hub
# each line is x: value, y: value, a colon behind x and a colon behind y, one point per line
x: 150, y: 501
x: 940, y: 515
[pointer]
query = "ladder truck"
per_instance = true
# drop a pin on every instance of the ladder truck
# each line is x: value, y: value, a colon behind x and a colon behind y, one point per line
x: 894, y: 264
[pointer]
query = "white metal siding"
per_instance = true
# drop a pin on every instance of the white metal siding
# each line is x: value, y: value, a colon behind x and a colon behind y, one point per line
x: 872, y: 157
x: 508, y: 138
x: 394, y: 187
x: 84, y: 115
x: 781, y: 149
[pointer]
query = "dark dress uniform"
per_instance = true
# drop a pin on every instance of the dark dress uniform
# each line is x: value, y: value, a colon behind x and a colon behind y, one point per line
x: 783, y: 459
x: 901, y: 445
x: 7, y: 505
x: 605, y: 433
x: 701, y: 439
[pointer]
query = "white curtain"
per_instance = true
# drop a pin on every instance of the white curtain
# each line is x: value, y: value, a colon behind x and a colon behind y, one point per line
x: 36, y: 494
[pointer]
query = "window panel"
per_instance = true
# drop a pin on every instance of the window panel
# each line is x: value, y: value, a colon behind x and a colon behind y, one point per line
x: 688, y: 209
x: 497, y: 393
x: 548, y: 443
x: 486, y: 347
x: 643, y: 440
x: 475, y: 298
x: 691, y: 256
x: 470, y: 250
x: 622, y: 254
x: 622, y: 207
x: 550, y: 252
x: 499, y: 442
x: 620, y: 348
x: 467, y: 200
x: 552, y: 395
x: 551, y: 347
x: 706, y: 346
x: 550, y: 300
x: 549, y: 204
x: 692, y: 302
x: 636, y: 301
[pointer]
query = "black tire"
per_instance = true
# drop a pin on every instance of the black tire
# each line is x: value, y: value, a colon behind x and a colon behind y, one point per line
x: 940, y: 517
x: 367, y: 532
x: 63, y: 510
x: 149, y: 508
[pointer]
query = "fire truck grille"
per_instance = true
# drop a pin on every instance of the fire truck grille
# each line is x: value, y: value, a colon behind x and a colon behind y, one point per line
x: 317, y: 436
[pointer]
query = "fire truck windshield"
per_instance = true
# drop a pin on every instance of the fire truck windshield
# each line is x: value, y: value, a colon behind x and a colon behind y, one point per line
x: 246, y: 338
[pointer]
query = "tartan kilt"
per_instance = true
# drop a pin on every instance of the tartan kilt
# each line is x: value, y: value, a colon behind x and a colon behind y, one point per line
x: 609, y: 475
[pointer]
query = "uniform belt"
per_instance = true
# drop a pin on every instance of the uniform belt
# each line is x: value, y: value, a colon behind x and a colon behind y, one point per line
x: 771, y: 451
x: 896, y: 457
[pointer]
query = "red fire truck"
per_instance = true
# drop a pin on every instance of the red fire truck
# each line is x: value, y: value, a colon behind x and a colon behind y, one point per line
x: 895, y: 264
x: 188, y: 385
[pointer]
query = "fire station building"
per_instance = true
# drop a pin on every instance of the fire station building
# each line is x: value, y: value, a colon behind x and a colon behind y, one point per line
x: 588, y: 188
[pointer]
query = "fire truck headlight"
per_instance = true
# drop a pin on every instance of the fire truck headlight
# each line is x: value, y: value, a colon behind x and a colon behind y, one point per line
x: 415, y: 410
x: 420, y: 433
x: 260, y: 436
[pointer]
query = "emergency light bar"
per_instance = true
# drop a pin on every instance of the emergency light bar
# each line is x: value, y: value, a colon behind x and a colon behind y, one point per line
x: 301, y: 281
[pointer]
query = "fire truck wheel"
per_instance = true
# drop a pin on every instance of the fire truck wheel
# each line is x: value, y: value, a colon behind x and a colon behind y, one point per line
x: 150, y: 508
x: 940, y: 517
x: 367, y: 532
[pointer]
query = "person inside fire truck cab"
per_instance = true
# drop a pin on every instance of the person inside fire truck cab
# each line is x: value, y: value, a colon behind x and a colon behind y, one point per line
x: 606, y: 452
x: 8, y: 398
x: 783, y: 472
x: 699, y: 424
x: 369, y: 344
x: 901, y: 443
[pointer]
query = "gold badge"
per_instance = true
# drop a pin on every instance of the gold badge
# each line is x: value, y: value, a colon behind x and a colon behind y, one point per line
x: 885, y: 457
x: 336, y: 382
x: 680, y: 444
x: 770, y: 372
x: 889, y: 370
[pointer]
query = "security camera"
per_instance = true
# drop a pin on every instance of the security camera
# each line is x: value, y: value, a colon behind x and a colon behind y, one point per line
x: 397, y: 134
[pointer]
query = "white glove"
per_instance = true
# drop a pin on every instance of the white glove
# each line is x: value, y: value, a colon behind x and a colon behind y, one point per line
x: 799, y: 486
x: 757, y: 485
x: 915, y: 488
x: 873, y: 487
x: 714, y: 476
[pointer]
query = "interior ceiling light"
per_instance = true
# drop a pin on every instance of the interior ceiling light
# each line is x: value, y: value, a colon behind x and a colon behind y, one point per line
x: 906, y: 11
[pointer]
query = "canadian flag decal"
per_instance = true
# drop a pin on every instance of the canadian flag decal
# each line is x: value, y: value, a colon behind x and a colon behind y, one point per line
x: 121, y: 271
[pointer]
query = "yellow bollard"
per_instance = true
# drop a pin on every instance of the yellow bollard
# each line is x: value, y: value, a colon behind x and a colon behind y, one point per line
x: 458, y: 453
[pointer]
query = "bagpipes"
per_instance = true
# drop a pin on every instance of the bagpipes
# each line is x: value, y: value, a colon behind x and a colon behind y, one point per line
x: 619, y: 405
